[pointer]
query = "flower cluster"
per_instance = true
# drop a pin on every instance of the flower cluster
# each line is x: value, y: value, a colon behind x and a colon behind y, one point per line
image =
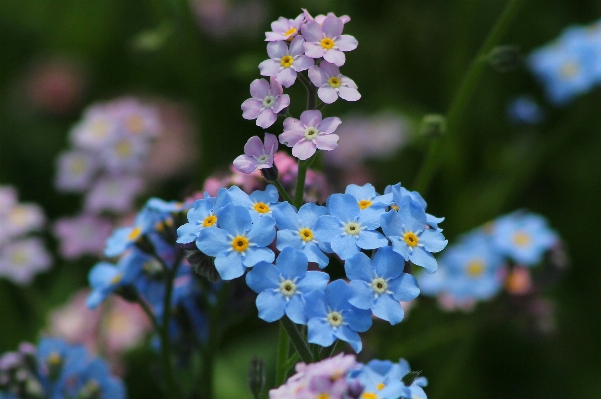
x: 21, y: 255
x: 317, y: 46
x: 237, y: 230
x: 343, y: 377
x: 570, y: 65
x: 498, y: 255
x: 56, y: 370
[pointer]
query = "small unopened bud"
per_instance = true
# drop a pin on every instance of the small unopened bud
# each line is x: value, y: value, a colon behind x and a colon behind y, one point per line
x: 355, y: 389
x: 145, y: 245
x: 54, y: 361
x: 505, y: 58
x: 270, y: 174
x: 203, y: 264
x: 256, y: 376
x: 433, y: 125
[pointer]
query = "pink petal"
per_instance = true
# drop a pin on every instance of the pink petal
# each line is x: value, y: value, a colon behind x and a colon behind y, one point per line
x: 271, y: 143
x: 281, y: 25
x: 277, y: 49
x: 302, y: 63
x: 329, y: 69
x: 345, y: 19
x: 293, y: 124
x: 276, y: 87
x: 329, y: 125
x: 313, y: 50
x: 348, y: 93
x: 259, y: 89
x: 251, y: 108
x: 254, y: 147
x: 286, y: 77
x: 332, y: 26
x: 290, y: 138
x: 312, y: 32
x: 334, y: 56
x: 266, y: 118
x: 269, y: 68
x: 348, y: 82
x: 272, y: 37
x: 327, y: 94
x: 281, y: 102
x: 346, y: 43
x: 303, y: 149
x: 318, y: 78
x: 326, y: 142
x: 245, y: 164
x: 297, y: 46
x: 311, y: 118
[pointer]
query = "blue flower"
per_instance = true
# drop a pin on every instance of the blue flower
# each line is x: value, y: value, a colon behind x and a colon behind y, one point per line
x: 297, y: 230
x: 379, y: 284
x: 407, y: 231
x: 237, y: 243
x: 347, y: 229
x: 523, y: 237
x: 331, y: 316
x: 259, y: 203
x: 202, y: 215
x: 105, y: 278
x: 282, y: 287
x: 401, y: 194
x: 124, y: 238
x: 525, y: 111
x: 382, y: 379
x: 369, y: 201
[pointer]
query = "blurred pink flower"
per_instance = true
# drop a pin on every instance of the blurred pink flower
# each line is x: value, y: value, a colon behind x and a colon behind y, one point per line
x: 84, y: 234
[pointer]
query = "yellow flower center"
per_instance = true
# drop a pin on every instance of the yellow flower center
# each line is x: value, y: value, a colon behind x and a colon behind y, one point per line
x: 54, y: 358
x: 78, y: 166
x: 311, y: 133
x: 19, y: 257
x: 475, y: 268
x: 135, y: 124
x: 411, y: 239
x: 335, y: 319
x: 364, y: 204
x: 395, y: 207
x: 240, y: 244
x: 290, y: 31
x: 123, y: 149
x: 134, y: 234
x: 287, y: 61
x: 521, y: 239
x: 379, y: 285
x: 380, y: 386
x: 327, y: 43
x: 335, y: 82
x: 369, y: 395
x: 569, y: 70
x: 306, y: 234
x: 352, y: 228
x: 117, y: 278
x: 261, y: 207
x: 209, y: 221
x: 323, y: 396
x: 287, y: 288
x: 99, y: 128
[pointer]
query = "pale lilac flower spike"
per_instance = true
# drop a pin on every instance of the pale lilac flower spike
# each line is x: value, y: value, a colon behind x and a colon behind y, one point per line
x: 256, y: 155
x: 327, y: 40
x: 332, y: 84
x: 285, y: 29
x: 310, y: 133
x: 284, y: 62
x: 267, y: 100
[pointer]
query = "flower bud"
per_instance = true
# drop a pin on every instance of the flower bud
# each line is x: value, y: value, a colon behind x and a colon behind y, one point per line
x: 433, y: 125
x: 203, y: 264
x: 505, y: 58
x: 256, y: 376
x: 270, y: 174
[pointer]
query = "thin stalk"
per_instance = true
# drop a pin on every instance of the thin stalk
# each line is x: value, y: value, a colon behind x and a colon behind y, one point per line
x: 298, y: 341
x: 282, y: 191
x: 311, y: 91
x: 150, y: 315
x: 463, y: 95
x: 299, y: 190
x: 282, y: 366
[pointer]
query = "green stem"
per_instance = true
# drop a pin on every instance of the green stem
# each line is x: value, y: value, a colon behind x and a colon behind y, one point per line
x: 281, y: 366
x: 298, y: 341
x: 311, y: 91
x: 299, y: 190
x: 150, y: 315
x: 164, y: 329
x: 282, y: 191
x: 463, y: 95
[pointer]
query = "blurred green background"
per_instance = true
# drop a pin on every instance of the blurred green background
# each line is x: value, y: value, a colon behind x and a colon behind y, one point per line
x: 411, y: 58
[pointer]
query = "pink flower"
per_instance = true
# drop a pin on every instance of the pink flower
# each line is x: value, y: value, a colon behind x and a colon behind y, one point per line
x: 327, y: 41
x: 256, y: 155
x: 267, y: 100
x: 320, y: 18
x: 332, y: 84
x: 284, y: 29
x: 81, y: 235
x: 284, y: 62
x: 309, y: 134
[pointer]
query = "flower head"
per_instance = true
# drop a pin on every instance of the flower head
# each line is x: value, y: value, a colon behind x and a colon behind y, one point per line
x: 267, y: 100
x: 310, y: 133
x: 256, y: 154
x: 285, y: 29
x: 326, y: 40
x: 332, y: 84
x: 285, y: 62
